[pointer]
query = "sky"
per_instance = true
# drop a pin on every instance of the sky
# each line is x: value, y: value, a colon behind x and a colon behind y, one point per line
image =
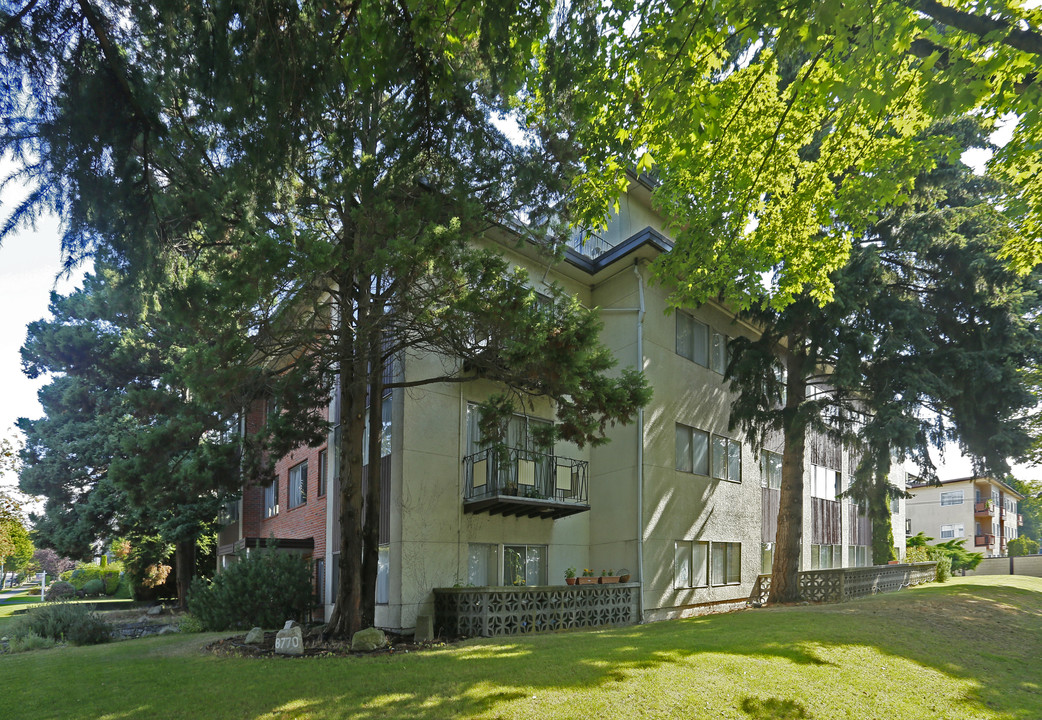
x: 31, y: 260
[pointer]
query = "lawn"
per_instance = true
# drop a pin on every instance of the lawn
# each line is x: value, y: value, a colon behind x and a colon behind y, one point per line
x: 966, y: 649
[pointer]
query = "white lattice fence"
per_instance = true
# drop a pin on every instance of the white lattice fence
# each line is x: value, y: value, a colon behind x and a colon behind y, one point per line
x: 491, y: 611
x: 839, y: 584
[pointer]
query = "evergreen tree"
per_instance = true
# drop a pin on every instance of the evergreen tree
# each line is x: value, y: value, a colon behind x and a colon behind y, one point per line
x: 923, y: 343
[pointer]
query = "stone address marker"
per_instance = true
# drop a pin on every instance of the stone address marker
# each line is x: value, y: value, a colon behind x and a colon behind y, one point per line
x: 290, y: 640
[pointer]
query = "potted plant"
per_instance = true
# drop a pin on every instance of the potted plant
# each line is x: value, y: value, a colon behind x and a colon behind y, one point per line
x: 608, y: 577
x: 624, y: 575
x: 569, y: 576
x: 587, y: 578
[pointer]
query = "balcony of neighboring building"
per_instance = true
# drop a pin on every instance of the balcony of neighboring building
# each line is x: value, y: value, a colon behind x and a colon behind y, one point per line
x: 524, y: 483
x: 1020, y: 520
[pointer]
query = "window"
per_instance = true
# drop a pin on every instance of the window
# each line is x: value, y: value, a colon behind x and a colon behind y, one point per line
x: 825, y: 482
x: 952, y: 531
x: 766, y: 558
x: 895, y: 506
x: 383, y: 574
x: 954, y: 497
x: 699, y: 452
x: 718, y: 353
x: 858, y: 556
x: 692, y: 339
x: 482, y: 564
x: 271, y: 499
x: 726, y: 565
x: 524, y: 564
x: 323, y: 471
x: 824, y: 557
x: 690, y: 564
x: 298, y: 485
x: 770, y: 469
x: 385, y: 431
x: 692, y: 450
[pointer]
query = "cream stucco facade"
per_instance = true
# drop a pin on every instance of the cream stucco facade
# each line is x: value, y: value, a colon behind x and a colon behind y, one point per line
x: 982, y: 510
x: 693, y: 541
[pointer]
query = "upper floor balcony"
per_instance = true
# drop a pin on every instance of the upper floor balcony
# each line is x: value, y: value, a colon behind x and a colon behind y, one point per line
x: 524, y: 483
x: 985, y: 508
x: 1020, y: 520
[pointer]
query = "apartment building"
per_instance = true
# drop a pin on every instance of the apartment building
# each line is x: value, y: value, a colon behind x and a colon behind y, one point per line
x: 685, y: 505
x: 981, y: 508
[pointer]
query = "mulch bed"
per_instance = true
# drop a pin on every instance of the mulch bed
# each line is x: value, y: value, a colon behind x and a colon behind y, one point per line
x: 314, y: 646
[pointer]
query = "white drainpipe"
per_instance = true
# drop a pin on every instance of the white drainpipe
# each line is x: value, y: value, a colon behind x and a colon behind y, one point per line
x: 640, y: 447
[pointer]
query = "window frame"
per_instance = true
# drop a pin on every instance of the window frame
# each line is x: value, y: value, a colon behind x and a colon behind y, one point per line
x: 297, y: 488
x: 951, y: 495
x: 323, y: 470
x: 727, y: 548
x: 685, y: 550
x: 693, y: 325
x: 271, y: 499
x: 718, y: 449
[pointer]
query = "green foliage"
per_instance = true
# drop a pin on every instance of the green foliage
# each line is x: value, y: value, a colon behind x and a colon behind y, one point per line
x: 94, y: 587
x: 63, y: 622
x: 1021, y: 545
x: 264, y: 589
x: 59, y: 591
x: 29, y: 641
x: 87, y: 572
x: 944, y: 568
x: 189, y: 623
x: 952, y: 552
x: 146, y: 568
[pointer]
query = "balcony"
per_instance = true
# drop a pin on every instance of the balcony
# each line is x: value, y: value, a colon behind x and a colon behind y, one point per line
x: 985, y: 508
x: 1020, y: 520
x: 524, y: 483
x: 983, y: 540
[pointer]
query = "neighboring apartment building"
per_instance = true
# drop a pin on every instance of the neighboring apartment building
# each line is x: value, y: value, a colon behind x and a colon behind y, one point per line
x: 688, y: 506
x: 980, y: 508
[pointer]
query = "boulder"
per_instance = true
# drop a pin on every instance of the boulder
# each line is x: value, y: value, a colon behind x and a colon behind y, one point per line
x: 368, y: 640
x: 155, y: 610
x: 255, y: 636
x: 290, y: 640
x: 166, y: 630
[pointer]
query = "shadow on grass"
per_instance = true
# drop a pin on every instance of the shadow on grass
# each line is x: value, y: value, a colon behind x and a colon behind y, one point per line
x: 950, y: 629
x: 774, y: 709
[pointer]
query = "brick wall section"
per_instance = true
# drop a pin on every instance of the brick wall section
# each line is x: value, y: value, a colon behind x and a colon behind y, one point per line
x: 305, y: 521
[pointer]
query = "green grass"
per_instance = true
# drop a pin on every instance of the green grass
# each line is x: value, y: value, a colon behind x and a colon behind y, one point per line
x: 967, y: 649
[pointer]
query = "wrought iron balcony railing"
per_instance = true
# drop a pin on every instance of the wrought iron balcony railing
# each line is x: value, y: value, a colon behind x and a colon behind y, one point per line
x: 523, y: 482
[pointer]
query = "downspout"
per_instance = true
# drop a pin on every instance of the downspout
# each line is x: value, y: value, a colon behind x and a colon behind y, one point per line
x: 640, y: 445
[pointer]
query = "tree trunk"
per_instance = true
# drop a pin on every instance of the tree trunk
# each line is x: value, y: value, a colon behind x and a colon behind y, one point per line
x: 785, y: 568
x: 184, y: 562
x: 371, y: 530
x: 882, y: 528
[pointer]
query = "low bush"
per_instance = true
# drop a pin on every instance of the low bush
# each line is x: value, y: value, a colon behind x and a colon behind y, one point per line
x: 264, y: 589
x: 189, y: 623
x: 944, y: 569
x: 94, y: 587
x: 59, y: 591
x: 61, y: 621
x: 31, y: 641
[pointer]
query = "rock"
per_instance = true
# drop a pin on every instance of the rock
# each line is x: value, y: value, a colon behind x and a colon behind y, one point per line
x: 290, y: 641
x: 289, y: 624
x: 155, y: 610
x: 166, y: 630
x: 144, y: 619
x: 255, y: 636
x: 368, y: 640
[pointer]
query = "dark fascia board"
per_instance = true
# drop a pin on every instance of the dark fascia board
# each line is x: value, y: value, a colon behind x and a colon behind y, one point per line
x: 648, y: 236
x: 971, y: 479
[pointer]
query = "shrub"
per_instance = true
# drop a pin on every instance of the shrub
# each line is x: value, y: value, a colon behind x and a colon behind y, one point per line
x: 189, y: 623
x: 264, y: 589
x: 84, y: 573
x: 31, y: 641
x: 94, y: 587
x: 1022, y: 545
x: 59, y: 591
x: 62, y: 621
x: 944, y: 569
x: 917, y: 554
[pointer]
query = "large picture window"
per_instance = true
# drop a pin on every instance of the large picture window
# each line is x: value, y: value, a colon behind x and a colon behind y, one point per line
x: 702, y: 453
x: 770, y: 469
x: 298, y: 485
x: 952, y: 497
x: 524, y: 564
x: 825, y: 483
